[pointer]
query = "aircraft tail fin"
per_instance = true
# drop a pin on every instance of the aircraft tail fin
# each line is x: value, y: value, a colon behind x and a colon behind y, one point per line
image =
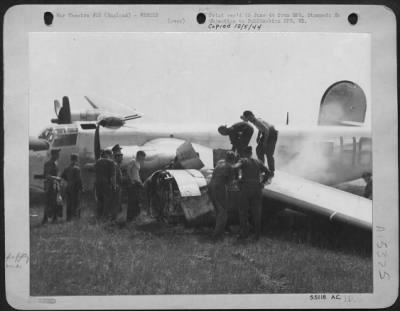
x: 64, y: 113
x: 343, y: 104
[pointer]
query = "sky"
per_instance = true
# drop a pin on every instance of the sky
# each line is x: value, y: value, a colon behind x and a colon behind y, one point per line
x: 195, y: 77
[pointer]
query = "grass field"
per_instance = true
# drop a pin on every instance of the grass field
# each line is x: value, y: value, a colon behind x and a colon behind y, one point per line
x: 295, y: 254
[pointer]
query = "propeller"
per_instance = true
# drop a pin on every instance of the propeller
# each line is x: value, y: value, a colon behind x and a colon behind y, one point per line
x: 111, y: 122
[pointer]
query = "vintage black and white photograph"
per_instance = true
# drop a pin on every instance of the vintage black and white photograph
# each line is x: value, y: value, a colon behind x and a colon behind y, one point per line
x: 228, y: 160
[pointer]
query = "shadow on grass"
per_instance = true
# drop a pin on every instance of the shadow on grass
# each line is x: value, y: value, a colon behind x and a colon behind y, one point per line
x: 317, y: 232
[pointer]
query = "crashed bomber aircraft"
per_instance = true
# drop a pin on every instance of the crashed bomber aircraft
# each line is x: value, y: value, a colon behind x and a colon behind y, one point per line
x: 311, y: 161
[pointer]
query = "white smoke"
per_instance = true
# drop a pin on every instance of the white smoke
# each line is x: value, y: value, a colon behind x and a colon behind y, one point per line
x: 311, y: 161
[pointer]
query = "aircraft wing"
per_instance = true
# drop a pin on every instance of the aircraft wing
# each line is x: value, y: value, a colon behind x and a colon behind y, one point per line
x: 313, y: 198
x: 110, y: 106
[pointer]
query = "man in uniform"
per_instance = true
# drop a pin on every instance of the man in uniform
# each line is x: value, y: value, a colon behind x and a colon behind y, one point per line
x: 239, y: 134
x: 72, y: 174
x: 368, y: 188
x: 51, y: 186
x: 266, y: 139
x: 250, y: 192
x: 118, y: 157
x: 135, y: 187
x: 222, y: 176
x: 105, y: 184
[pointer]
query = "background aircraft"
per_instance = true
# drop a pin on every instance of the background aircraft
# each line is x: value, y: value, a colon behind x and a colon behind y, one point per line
x: 309, y: 159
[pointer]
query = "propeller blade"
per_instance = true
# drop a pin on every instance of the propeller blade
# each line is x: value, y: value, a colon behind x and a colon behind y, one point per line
x: 91, y: 102
x: 57, y: 106
x: 132, y: 117
x: 97, y: 142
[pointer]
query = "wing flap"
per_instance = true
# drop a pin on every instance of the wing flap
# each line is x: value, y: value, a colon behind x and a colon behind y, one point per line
x: 311, y: 197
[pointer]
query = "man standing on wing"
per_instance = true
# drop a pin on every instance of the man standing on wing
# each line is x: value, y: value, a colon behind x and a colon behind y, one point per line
x: 135, y: 188
x: 368, y: 187
x: 266, y: 139
x: 239, y: 134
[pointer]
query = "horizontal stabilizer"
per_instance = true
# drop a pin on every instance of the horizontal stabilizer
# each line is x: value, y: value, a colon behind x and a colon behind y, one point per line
x: 313, y: 198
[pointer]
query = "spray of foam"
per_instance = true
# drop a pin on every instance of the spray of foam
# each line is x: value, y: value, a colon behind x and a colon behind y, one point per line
x: 313, y: 161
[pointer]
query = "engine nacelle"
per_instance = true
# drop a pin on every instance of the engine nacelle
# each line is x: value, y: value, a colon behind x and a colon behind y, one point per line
x: 178, y: 194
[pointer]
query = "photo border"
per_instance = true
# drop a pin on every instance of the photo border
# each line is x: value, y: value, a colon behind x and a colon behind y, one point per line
x: 378, y: 21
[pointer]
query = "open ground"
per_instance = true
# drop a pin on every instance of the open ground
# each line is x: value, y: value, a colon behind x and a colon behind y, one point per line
x: 295, y: 254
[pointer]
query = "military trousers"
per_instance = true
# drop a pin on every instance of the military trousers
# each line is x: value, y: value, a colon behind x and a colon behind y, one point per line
x: 266, y: 147
x: 50, y: 209
x: 250, y: 200
x: 72, y: 196
x: 105, y: 198
x: 134, y: 197
x: 219, y: 199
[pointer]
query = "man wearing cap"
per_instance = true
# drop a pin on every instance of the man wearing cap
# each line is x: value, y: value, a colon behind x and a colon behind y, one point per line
x: 105, y: 184
x: 118, y: 157
x: 51, y: 186
x: 222, y: 176
x: 135, y: 187
x: 72, y: 174
x: 239, y: 134
x: 266, y: 139
x: 250, y: 192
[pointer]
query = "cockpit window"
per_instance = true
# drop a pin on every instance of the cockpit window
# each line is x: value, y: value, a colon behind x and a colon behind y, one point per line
x: 65, y: 140
x: 47, y: 134
x: 62, y: 136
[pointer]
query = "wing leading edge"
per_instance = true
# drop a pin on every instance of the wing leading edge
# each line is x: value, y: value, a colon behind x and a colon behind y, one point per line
x: 310, y: 197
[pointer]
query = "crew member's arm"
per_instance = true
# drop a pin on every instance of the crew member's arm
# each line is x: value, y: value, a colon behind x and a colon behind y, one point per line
x: 258, y: 136
x: 266, y: 133
x: 264, y: 170
x: 238, y: 165
x: 368, y: 190
x: 64, y: 175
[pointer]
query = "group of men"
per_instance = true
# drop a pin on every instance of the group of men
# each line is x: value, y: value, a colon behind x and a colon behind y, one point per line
x: 72, y: 176
x: 239, y: 177
x: 111, y: 185
x: 240, y: 135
